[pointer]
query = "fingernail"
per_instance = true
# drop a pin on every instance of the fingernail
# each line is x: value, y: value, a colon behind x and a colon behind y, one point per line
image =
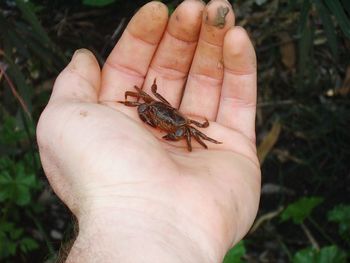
x: 216, y: 0
x: 201, y: 1
x: 81, y: 57
x: 79, y: 52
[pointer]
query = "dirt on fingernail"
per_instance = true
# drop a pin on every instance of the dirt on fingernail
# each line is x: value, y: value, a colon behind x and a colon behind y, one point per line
x: 219, y: 20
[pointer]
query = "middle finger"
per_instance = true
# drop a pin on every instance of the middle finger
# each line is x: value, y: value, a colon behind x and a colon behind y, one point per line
x: 172, y: 61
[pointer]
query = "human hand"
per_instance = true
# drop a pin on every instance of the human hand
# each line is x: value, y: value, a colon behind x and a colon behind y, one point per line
x: 130, y: 189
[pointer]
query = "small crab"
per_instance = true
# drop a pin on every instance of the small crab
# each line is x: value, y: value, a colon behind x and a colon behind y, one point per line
x: 160, y: 114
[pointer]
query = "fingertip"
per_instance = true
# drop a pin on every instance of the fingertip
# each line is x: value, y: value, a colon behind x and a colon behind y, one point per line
x: 149, y: 22
x: 85, y: 64
x: 239, y: 53
x: 218, y: 17
x: 80, y: 80
x: 185, y: 22
x: 219, y: 14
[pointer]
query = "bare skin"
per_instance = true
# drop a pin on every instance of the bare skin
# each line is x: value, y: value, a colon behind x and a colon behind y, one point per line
x: 139, y: 198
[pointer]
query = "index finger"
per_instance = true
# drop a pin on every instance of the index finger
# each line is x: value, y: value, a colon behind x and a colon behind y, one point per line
x: 128, y: 62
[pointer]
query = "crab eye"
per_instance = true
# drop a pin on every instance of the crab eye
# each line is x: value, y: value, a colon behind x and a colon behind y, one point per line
x: 179, y: 132
x: 142, y: 108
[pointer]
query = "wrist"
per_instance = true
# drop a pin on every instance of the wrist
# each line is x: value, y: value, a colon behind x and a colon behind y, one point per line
x: 125, y: 235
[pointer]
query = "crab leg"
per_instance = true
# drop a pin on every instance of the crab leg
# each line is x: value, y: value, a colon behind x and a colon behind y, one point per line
x: 147, y: 98
x: 188, y: 140
x: 130, y: 103
x: 158, y: 96
x: 186, y: 134
x: 198, y: 124
x: 196, y: 132
x: 131, y: 94
x: 198, y: 139
x: 139, y: 94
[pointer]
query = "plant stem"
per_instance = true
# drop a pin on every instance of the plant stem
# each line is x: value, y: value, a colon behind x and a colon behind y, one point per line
x: 285, y: 248
x: 323, y: 233
x: 310, y: 237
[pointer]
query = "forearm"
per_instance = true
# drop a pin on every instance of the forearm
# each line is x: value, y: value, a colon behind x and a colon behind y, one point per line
x: 133, y: 238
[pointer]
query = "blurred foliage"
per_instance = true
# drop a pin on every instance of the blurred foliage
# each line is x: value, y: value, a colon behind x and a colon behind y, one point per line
x: 301, y: 209
x: 341, y: 215
x: 324, y: 255
x: 302, y: 121
x: 98, y: 2
x: 236, y: 254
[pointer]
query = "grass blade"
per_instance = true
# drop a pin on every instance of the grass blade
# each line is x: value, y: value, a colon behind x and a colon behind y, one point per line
x: 328, y: 27
x: 304, y: 15
x: 15, y: 92
x: 18, y: 78
x: 338, y: 11
x: 346, y: 4
x: 305, y: 52
x: 33, y: 21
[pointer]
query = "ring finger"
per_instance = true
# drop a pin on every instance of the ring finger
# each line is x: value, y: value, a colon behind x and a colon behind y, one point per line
x: 202, y: 92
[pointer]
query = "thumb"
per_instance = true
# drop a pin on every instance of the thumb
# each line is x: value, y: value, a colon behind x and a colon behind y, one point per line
x: 80, y: 80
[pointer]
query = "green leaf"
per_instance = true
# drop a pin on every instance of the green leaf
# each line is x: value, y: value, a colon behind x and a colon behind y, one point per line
x: 15, y: 233
x: 12, y: 248
x: 341, y: 215
x: 328, y: 27
x: 28, y: 244
x: 338, y: 11
x: 12, y: 238
x: 307, y: 255
x: 17, y: 189
x: 26, y: 180
x: 5, y: 162
x: 5, y: 186
x: 8, y: 248
x: 10, y: 235
x: 24, y: 183
x: 300, y: 209
x: 22, y: 195
x: 10, y: 132
x: 98, y: 2
x: 330, y: 254
x: 6, y: 227
x: 235, y: 254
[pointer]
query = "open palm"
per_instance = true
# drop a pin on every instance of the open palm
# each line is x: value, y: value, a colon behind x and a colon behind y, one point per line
x: 101, y: 159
